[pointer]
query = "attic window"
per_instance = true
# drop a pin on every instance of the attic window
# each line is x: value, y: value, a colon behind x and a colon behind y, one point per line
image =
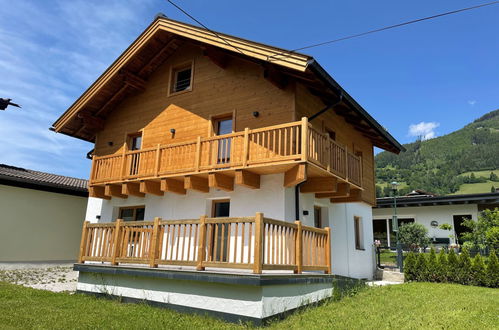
x: 181, y: 78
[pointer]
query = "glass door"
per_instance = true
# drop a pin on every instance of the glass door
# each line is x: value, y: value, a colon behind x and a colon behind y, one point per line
x: 223, y: 126
x: 220, y: 209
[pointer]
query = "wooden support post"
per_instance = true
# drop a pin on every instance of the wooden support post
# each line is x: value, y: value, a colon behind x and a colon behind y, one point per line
x: 196, y: 183
x: 221, y: 181
x: 123, y: 161
x: 319, y: 185
x: 346, y: 162
x: 258, y: 253
x: 202, y: 242
x: 299, y: 248
x: 117, y: 242
x: 98, y: 192
x: 174, y: 186
x: 198, y: 154
x: 246, y: 147
x: 157, y: 160
x: 304, y: 139
x: 113, y: 190
x: 297, y: 174
x: 154, y: 247
x: 247, y: 179
x: 343, y: 190
x: 151, y: 187
x: 83, y: 246
x: 132, y: 189
x: 328, y: 250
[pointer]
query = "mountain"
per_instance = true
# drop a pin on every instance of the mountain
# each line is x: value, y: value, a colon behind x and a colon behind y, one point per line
x: 443, y: 164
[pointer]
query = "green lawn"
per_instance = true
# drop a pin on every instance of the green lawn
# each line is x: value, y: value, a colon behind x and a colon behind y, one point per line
x: 485, y: 173
x: 476, y: 188
x: 406, y: 306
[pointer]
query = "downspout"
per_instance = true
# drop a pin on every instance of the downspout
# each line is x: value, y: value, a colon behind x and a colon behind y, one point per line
x: 297, y: 201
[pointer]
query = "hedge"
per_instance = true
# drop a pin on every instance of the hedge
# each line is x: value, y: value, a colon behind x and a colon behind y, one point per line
x: 452, y: 268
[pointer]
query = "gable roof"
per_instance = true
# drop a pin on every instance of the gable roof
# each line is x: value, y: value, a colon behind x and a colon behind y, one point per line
x: 21, y: 177
x: 131, y: 69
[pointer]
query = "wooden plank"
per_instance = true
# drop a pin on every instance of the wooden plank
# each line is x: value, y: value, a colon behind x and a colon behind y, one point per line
x: 221, y: 181
x: 319, y: 185
x: 154, y: 246
x: 97, y: 192
x: 297, y: 174
x: 117, y: 242
x: 342, y: 191
x: 258, y: 252
x: 196, y: 183
x: 202, y: 243
x: 112, y: 190
x: 151, y: 187
x: 247, y: 179
x: 354, y: 196
x: 84, y: 234
x: 132, y: 189
x: 299, y: 248
x: 174, y: 186
x: 328, y: 250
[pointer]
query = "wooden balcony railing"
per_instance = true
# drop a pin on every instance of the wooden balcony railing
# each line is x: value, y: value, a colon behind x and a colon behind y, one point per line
x: 255, y: 243
x: 291, y: 142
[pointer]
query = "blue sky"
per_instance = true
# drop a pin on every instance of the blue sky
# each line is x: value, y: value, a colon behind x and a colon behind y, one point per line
x: 428, y: 79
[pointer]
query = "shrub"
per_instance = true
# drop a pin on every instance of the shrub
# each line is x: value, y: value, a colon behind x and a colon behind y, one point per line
x: 421, y: 268
x: 452, y: 266
x: 414, y: 235
x: 492, y: 271
x: 410, y: 267
x: 483, y: 233
x: 478, y: 271
x: 442, y: 266
x: 432, y: 266
x: 464, y: 275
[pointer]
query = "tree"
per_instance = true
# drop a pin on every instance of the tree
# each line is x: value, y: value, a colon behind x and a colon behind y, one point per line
x: 442, y: 266
x: 452, y: 266
x: 432, y: 266
x: 493, y: 271
x: 483, y: 233
x: 464, y: 275
x: 410, y: 267
x: 478, y: 271
x: 414, y: 235
x: 492, y: 189
x: 493, y: 177
x: 421, y: 268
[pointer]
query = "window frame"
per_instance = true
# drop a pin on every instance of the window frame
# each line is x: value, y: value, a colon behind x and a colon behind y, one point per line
x: 134, y: 208
x: 358, y: 233
x: 174, y: 69
x: 217, y: 201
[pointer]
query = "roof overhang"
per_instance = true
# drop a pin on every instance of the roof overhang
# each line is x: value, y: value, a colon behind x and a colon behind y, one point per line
x: 128, y: 73
x: 482, y: 199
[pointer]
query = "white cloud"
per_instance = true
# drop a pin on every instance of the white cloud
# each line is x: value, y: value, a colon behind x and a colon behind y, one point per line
x: 424, y: 130
x: 472, y: 102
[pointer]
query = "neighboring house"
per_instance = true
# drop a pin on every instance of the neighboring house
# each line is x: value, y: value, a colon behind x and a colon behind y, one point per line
x: 41, y: 215
x: 431, y: 211
x: 187, y: 123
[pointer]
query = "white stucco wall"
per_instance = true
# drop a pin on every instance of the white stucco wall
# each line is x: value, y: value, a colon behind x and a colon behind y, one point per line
x: 39, y: 226
x: 276, y: 202
x: 426, y: 214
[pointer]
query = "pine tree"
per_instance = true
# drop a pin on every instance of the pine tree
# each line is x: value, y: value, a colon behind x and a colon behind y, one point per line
x: 493, y: 271
x: 410, y: 267
x: 464, y: 275
x: 442, y: 266
x: 478, y: 271
x: 452, y: 267
x: 421, y: 268
x: 432, y: 266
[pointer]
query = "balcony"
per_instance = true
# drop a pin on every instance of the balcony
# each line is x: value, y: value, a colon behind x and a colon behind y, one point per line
x: 252, y: 243
x: 216, y: 161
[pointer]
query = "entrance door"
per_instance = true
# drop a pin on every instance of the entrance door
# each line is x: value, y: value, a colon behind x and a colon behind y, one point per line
x: 223, y: 126
x: 459, y: 229
x: 220, y: 232
x: 317, y: 217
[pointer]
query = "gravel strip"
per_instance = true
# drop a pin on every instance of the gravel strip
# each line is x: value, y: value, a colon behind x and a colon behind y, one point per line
x: 52, y: 277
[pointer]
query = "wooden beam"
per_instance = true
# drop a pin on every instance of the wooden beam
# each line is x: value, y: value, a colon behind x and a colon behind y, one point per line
x: 343, y: 190
x: 174, y: 186
x: 221, y: 181
x: 112, y: 190
x: 132, y: 80
x: 151, y: 187
x: 219, y: 58
x: 97, y: 192
x: 196, y: 183
x: 118, y: 96
x: 91, y: 121
x: 275, y: 77
x: 248, y: 179
x: 354, y: 196
x: 297, y: 174
x: 154, y: 62
x: 319, y: 185
x: 132, y: 189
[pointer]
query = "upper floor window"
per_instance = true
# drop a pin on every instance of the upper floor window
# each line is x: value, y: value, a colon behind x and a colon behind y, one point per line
x: 181, y: 78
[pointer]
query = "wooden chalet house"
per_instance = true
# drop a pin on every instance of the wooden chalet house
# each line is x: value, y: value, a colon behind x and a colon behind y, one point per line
x: 226, y: 143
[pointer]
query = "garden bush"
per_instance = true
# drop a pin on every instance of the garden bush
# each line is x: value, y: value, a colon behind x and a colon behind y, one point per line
x: 448, y: 267
x: 414, y: 236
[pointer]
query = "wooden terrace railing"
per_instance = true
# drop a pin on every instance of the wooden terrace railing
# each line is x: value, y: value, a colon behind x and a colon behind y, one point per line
x: 291, y: 142
x: 255, y: 243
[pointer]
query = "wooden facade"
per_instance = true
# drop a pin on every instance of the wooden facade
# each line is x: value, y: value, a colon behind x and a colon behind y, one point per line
x: 269, y: 99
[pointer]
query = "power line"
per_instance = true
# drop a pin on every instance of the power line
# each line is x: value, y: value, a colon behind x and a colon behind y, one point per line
x: 197, y: 21
x: 289, y: 53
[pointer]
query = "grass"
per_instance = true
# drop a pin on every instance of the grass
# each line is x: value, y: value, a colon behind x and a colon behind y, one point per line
x: 388, y: 257
x: 485, y: 173
x: 476, y: 188
x: 406, y: 306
